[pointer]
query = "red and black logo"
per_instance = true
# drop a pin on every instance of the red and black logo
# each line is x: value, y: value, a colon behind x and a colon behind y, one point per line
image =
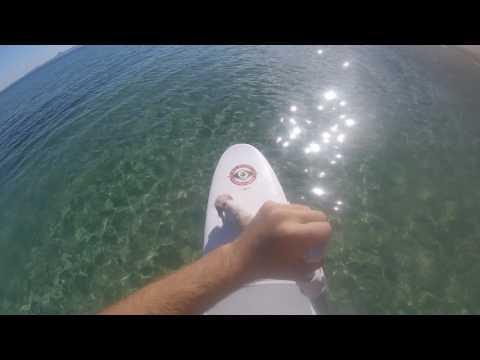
x: 243, y: 175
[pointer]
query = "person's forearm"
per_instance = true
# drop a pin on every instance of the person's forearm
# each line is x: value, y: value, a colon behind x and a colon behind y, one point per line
x: 192, y: 289
x: 273, y: 245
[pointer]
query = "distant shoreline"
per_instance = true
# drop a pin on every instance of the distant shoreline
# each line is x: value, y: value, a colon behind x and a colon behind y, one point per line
x: 56, y: 57
x: 473, y: 50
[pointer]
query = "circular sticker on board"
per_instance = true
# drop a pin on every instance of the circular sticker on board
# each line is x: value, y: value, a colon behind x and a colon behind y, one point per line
x: 243, y: 175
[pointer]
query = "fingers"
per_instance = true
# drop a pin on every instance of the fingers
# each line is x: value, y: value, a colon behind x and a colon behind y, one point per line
x: 299, y: 207
x: 314, y: 233
x: 306, y: 216
x: 284, y: 207
x: 300, y: 212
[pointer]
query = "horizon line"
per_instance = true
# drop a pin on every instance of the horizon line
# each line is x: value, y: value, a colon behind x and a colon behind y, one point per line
x: 57, y: 56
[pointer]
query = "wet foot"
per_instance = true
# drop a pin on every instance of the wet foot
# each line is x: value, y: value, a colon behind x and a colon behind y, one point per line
x: 225, y: 204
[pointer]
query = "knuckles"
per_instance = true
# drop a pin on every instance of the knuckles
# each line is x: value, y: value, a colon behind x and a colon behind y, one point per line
x: 285, y: 231
x: 275, y: 217
x: 267, y: 206
x: 271, y: 211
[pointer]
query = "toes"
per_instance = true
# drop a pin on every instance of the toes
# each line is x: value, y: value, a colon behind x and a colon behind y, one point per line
x: 221, y: 201
x: 225, y: 204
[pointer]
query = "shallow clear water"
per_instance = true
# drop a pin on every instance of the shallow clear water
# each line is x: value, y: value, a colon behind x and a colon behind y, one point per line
x: 106, y: 156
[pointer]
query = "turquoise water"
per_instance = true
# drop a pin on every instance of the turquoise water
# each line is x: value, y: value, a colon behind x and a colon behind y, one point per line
x: 106, y: 156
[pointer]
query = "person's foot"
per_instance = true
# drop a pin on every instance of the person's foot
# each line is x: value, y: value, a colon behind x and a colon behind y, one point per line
x: 226, y: 205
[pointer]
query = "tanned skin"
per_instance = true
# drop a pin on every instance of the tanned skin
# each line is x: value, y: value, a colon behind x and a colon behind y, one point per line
x: 272, y: 245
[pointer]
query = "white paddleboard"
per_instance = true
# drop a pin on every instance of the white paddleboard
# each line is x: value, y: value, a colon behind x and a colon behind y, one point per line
x: 245, y: 174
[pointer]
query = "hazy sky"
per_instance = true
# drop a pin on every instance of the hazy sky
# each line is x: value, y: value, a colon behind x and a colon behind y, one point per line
x: 17, y: 60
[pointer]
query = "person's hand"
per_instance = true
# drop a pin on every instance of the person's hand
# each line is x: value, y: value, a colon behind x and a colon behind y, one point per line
x: 276, y: 242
